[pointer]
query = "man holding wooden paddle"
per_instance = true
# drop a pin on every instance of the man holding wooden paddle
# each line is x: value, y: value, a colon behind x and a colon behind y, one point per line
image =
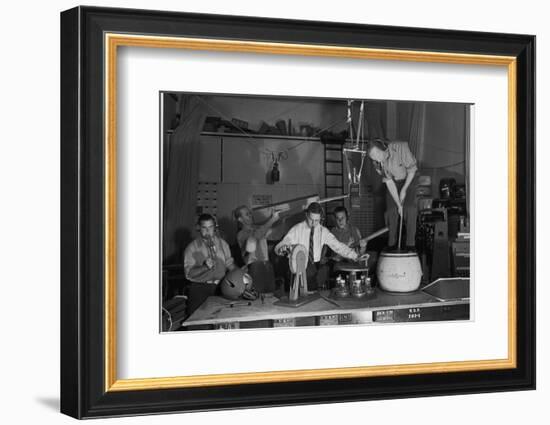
x: 346, y: 233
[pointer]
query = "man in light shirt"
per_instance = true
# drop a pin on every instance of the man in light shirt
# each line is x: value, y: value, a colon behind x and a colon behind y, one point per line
x: 252, y: 235
x: 397, y: 165
x: 252, y: 240
x: 313, y: 235
x: 206, y: 260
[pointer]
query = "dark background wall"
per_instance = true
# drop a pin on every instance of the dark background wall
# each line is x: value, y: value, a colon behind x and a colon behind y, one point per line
x: 234, y: 168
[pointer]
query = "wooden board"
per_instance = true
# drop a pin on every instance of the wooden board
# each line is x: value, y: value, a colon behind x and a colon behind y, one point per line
x: 291, y: 213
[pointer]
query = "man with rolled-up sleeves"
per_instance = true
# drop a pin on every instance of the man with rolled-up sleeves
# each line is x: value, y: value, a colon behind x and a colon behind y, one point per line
x: 396, y: 164
x: 313, y: 235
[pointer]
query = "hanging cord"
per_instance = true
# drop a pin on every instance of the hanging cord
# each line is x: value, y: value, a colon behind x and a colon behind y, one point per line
x: 289, y: 110
x: 348, y: 167
x: 365, y: 129
x: 345, y: 151
x: 355, y: 177
x: 443, y: 166
x: 222, y: 115
x: 363, y: 126
x: 169, y: 318
x: 360, y: 125
x: 349, y: 119
x: 311, y: 137
x: 439, y: 148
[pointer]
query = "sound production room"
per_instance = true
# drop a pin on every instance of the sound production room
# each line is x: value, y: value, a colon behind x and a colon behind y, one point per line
x: 290, y: 211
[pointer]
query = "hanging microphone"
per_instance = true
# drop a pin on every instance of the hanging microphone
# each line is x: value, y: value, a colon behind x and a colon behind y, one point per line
x: 211, y: 247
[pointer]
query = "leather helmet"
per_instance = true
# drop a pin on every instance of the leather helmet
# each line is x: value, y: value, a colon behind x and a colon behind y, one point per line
x: 238, y: 284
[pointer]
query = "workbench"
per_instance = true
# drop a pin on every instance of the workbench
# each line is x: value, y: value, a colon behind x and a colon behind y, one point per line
x: 453, y: 303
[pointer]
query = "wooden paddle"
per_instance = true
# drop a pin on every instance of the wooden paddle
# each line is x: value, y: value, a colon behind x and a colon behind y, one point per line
x: 371, y: 236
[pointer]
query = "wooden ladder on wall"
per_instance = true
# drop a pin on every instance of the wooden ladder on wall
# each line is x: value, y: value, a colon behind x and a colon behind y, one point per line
x: 334, y: 177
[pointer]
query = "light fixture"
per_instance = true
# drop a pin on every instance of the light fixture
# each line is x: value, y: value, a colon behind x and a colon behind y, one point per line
x: 275, y: 173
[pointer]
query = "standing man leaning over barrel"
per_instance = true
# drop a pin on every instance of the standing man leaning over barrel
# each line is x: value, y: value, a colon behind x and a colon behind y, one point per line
x: 311, y: 234
x: 396, y: 164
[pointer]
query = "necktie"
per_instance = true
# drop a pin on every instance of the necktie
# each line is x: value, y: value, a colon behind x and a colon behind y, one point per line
x: 310, y: 255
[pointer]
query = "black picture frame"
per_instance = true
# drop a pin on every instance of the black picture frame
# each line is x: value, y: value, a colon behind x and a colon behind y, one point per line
x: 83, y: 168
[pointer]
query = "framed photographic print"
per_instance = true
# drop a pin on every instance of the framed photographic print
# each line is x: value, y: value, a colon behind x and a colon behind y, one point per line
x: 261, y: 212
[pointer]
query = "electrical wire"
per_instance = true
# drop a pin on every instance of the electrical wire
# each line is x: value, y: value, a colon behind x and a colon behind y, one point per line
x: 301, y: 104
x: 442, y: 149
x: 267, y: 152
x: 356, y: 177
x: 169, y: 319
x: 443, y: 166
x: 280, y: 154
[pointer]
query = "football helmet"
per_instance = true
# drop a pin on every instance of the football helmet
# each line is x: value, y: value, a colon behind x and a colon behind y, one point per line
x: 238, y: 284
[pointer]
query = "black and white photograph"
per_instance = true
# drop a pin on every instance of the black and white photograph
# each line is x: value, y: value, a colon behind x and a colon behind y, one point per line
x: 303, y: 211
x: 275, y: 212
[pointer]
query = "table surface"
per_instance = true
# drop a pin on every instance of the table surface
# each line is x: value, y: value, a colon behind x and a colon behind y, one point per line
x: 217, y: 310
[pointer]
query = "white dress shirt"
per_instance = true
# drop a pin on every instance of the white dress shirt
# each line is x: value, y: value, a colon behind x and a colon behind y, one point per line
x: 299, y: 234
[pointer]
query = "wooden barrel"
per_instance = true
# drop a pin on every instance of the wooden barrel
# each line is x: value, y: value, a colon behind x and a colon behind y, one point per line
x: 399, y: 271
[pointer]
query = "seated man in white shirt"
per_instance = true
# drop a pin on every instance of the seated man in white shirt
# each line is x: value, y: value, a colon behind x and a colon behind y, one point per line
x: 311, y: 234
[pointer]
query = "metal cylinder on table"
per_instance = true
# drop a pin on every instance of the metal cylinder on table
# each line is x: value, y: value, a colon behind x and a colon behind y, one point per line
x: 357, y: 275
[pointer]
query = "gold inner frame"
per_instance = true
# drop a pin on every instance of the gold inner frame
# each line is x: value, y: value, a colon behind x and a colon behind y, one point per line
x: 113, y: 41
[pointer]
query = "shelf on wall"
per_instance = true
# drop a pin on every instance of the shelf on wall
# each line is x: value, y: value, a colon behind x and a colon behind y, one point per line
x: 267, y: 136
x: 261, y: 136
